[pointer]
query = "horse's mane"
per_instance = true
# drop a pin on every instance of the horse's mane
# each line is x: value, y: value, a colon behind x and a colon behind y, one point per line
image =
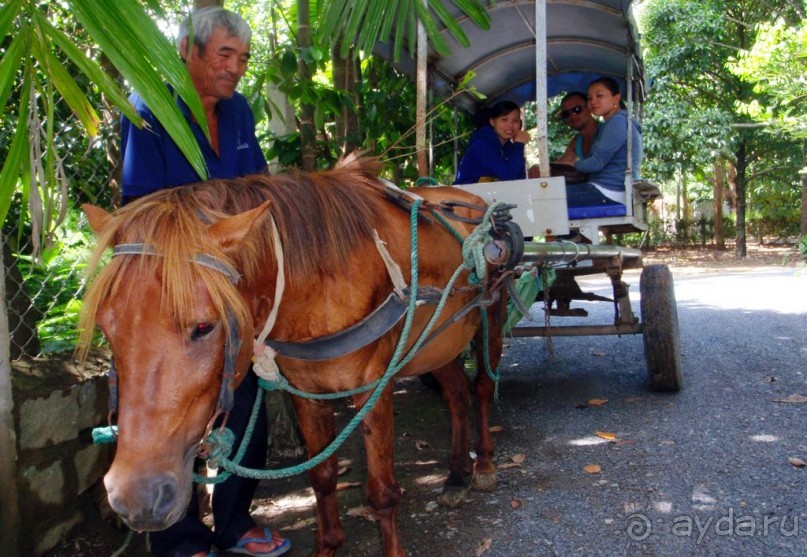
x: 320, y: 217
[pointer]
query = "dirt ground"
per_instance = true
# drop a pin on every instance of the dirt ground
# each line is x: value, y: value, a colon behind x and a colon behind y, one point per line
x: 421, y: 446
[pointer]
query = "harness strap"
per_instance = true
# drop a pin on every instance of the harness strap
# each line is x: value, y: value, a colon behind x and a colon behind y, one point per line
x: 357, y: 336
x: 233, y: 344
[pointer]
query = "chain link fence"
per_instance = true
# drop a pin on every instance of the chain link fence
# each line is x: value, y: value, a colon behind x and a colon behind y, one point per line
x: 44, y: 274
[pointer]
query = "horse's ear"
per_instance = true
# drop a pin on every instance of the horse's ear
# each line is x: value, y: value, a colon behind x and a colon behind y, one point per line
x: 99, y: 219
x: 230, y: 232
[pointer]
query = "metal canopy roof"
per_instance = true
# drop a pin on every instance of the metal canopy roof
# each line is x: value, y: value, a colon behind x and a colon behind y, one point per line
x: 585, y: 39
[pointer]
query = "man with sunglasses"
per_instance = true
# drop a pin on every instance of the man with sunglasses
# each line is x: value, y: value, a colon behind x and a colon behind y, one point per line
x: 575, y: 112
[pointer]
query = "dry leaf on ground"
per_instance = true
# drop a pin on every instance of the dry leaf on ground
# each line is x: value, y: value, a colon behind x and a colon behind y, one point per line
x: 515, y: 461
x: 495, y: 428
x: 795, y: 398
x: 592, y: 468
x: 365, y: 512
x: 597, y: 401
x: 341, y: 486
x: 484, y: 547
x: 797, y: 462
x: 605, y: 435
x: 515, y: 503
x: 507, y: 465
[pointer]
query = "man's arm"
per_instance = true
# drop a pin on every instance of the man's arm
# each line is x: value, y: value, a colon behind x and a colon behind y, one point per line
x: 570, y: 154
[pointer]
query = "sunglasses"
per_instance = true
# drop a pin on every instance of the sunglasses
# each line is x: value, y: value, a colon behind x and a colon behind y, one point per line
x: 574, y: 110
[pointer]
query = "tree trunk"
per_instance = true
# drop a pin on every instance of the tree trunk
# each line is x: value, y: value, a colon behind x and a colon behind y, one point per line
x: 740, y: 247
x: 719, y: 182
x: 9, y: 501
x: 308, y: 146
x: 345, y: 77
x: 420, y: 109
x: 803, y: 173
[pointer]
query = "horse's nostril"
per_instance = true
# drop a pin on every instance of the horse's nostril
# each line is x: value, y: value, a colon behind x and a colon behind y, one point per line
x: 165, y: 495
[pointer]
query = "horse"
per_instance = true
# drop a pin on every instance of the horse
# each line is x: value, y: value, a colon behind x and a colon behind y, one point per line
x: 196, y: 266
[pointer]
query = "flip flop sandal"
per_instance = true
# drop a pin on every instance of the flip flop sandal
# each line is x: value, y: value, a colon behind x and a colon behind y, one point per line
x: 281, y: 549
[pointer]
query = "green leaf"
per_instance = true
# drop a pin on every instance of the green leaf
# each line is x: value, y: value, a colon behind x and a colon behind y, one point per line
x: 121, y: 28
x: 289, y: 62
x: 316, y: 53
x: 91, y: 69
x: 71, y: 92
x: 10, y: 64
x: 7, y: 15
x: 17, y: 158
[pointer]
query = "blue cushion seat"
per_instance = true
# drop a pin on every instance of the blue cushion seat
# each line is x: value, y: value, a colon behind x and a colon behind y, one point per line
x: 597, y: 211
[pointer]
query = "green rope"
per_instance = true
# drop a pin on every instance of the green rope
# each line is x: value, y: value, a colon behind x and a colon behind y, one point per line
x: 282, y: 384
x: 447, y: 225
x: 221, y: 444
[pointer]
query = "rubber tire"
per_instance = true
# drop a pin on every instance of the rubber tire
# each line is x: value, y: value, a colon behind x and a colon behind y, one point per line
x: 662, y: 347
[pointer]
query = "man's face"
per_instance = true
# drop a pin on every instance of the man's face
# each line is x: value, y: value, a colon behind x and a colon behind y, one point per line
x: 217, y: 71
x: 575, y: 112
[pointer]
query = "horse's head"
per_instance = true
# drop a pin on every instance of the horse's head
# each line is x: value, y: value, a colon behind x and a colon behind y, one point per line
x: 168, y: 307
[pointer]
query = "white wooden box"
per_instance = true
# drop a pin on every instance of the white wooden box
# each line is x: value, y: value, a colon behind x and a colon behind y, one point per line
x: 540, y: 203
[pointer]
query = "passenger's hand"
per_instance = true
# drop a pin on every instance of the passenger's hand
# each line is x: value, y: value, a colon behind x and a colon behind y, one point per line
x: 521, y: 137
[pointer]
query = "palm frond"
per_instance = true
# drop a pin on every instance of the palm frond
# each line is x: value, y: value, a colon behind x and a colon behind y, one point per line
x: 121, y: 29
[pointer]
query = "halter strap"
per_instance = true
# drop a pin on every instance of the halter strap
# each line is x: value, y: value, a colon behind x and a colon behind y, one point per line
x: 203, y: 259
x: 233, y: 343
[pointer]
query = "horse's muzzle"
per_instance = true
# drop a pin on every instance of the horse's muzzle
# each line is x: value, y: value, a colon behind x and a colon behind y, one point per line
x: 154, y: 503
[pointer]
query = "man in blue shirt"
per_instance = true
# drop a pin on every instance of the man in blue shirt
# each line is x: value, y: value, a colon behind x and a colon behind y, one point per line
x: 151, y: 159
x: 216, y: 61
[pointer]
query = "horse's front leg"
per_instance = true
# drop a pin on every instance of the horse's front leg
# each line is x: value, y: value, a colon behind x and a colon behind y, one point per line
x: 456, y: 389
x: 383, y: 491
x: 317, y: 426
x: 484, y: 478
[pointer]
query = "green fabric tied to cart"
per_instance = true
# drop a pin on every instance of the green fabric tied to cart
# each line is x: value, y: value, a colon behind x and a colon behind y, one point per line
x: 528, y: 286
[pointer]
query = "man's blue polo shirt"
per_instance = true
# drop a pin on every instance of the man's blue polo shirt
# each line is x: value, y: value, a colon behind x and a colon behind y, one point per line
x: 152, y: 161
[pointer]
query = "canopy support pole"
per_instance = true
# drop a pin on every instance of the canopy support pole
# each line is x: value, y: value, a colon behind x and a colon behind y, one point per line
x: 542, y: 134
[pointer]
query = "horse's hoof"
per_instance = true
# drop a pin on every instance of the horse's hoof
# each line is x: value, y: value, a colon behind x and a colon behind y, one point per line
x: 453, y: 498
x: 484, y: 481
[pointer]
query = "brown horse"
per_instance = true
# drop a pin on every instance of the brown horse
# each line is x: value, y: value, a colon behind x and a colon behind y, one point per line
x: 168, y: 307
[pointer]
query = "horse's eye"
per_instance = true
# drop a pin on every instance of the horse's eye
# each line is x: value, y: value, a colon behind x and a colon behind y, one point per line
x: 202, y: 330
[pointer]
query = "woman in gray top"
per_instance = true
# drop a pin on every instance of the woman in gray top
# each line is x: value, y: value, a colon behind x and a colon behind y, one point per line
x: 607, y: 161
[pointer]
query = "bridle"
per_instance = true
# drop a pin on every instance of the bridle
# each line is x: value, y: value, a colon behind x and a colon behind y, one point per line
x: 231, y: 347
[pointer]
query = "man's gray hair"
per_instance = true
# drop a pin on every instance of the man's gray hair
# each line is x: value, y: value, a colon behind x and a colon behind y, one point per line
x: 202, y: 22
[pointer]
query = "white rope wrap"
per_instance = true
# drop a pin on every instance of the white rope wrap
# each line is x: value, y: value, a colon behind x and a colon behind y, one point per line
x: 394, y: 270
x: 263, y: 358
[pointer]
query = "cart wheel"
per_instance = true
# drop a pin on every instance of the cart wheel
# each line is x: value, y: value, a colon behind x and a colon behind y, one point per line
x: 660, y: 328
